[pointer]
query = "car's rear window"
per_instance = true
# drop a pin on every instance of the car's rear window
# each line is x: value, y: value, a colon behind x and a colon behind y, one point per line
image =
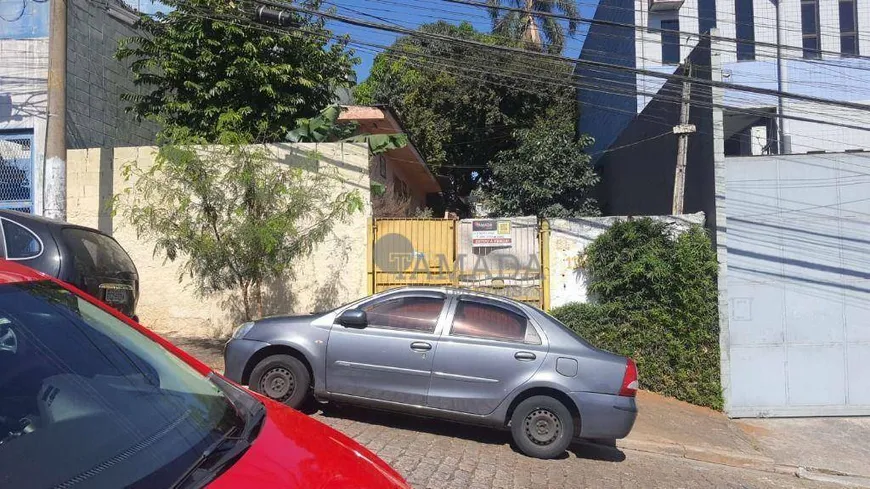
x: 96, y: 253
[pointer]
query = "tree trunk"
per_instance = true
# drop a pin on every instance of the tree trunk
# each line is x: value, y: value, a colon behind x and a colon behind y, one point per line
x: 531, y: 31
x: 246, y: 302
x: 257, y: 291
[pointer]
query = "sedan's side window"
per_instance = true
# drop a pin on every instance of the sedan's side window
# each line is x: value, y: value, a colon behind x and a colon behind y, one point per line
x: 479, y: 320
x: 406, y: 313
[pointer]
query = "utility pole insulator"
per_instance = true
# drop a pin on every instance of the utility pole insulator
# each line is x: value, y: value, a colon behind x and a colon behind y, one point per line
x: 685, y: 129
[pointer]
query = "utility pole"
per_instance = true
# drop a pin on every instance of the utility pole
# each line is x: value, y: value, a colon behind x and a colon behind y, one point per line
x: 682, y: 131
x: 54, y: 180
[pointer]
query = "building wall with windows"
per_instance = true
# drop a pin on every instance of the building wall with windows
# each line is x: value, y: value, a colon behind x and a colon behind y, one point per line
x: 818, y: 40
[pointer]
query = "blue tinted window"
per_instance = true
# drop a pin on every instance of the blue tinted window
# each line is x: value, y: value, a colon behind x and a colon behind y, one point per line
x: 671, y: 41
x: 745, y: 16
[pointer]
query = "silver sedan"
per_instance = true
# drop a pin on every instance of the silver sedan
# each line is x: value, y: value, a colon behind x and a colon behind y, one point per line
x: 445, y: 353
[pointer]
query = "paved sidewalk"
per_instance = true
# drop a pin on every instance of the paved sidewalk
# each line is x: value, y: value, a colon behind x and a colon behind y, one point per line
x: 825, y: 449
x: 836, y: 445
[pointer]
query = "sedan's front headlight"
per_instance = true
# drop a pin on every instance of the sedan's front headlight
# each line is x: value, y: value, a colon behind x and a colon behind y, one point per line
x: 242, y: 330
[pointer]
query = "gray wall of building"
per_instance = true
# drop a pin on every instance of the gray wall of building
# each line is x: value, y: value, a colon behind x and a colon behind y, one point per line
x: 638, y: 178
x: 96, y: 80
x: 798, y: 280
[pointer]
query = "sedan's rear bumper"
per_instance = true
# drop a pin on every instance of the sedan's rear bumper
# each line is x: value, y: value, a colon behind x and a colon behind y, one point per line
x: 605, y: 416
x: 237, y: 353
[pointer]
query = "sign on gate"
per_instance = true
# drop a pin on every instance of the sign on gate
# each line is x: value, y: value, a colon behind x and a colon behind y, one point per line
x: 491, y: 233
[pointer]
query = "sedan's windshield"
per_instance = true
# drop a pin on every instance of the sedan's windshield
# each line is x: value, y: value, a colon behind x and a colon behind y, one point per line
x: 87, y: 401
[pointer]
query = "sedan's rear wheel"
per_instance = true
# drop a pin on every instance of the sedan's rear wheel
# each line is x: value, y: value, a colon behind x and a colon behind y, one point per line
x: 542, y: 427
x: 282, y: 378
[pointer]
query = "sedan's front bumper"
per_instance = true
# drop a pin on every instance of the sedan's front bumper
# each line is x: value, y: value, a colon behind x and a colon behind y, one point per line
x: 237, y: 354
x: 605, y: 416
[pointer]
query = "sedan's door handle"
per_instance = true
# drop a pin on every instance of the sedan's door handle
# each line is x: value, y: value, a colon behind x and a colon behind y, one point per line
x: 525, y: 356
x: 421, y: 346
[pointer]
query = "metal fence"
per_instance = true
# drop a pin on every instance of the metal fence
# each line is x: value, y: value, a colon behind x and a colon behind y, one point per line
x: 442, y: 252
x: 16, y: 172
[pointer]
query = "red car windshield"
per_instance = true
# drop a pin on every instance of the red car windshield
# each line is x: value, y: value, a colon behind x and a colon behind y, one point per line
x: 87, y: 401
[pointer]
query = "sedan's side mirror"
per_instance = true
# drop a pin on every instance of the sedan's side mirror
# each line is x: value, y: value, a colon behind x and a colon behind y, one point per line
x: 353, y: 318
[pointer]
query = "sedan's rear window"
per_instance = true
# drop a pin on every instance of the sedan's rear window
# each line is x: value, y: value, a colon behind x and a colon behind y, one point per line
x: 21, y: 243
x: 95, y: 253
x: 486, y: 321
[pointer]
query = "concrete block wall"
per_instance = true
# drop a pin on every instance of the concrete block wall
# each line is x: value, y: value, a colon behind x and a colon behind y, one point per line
x: 333, y: 274
x: 570, y: 237
x: 96, y: 80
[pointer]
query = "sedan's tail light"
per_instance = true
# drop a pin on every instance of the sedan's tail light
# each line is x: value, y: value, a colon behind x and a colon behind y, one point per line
x: 629, y: 380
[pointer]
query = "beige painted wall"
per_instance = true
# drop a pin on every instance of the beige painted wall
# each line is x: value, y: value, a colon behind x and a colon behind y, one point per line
x: 333, y: 274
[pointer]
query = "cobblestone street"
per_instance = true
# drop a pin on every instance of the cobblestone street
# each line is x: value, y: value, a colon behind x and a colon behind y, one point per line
x: 433, y: 454
x: 438, y: 455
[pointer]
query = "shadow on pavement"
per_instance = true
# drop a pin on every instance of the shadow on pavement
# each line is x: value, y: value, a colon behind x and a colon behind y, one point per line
x: 579, y: 448
x: 597, y: 451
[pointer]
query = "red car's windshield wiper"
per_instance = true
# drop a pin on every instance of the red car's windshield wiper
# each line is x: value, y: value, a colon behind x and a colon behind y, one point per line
x: 231, y: 445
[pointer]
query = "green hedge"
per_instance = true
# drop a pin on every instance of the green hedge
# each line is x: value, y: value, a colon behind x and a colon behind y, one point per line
x: 655, y: 300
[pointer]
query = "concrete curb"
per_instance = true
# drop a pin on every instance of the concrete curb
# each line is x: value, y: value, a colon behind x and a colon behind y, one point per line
x: 701, y: 454
x: 743, y: 461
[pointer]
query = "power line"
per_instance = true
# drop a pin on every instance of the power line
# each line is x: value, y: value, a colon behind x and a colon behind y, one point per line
x: 651, y: 73
x: 791, y: 158
x: 644, y: 28
x: 611, y: 55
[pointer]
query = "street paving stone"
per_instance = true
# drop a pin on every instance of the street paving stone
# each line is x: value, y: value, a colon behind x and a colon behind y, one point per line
x: 432, y: 454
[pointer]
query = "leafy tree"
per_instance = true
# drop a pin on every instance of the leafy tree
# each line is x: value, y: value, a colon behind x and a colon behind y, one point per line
x: 536, y: 31
x: 655, y: 300
x: 233, y: 216
x: 547, y: 174
x: 203, y: 59
x: 461, y: 104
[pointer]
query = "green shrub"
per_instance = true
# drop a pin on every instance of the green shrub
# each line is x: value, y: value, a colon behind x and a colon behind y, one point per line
x: 656, y: 302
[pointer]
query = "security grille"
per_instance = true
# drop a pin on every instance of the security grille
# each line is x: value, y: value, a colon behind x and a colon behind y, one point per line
x: 16, y: 172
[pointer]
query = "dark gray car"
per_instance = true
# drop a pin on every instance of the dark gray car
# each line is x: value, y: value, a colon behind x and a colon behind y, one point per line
x: 446, y: 353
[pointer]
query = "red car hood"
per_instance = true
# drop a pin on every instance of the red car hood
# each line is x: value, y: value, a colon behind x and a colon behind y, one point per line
x: 294, y: 451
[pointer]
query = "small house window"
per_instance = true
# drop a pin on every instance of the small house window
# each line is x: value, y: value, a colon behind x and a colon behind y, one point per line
x: 382, y: 166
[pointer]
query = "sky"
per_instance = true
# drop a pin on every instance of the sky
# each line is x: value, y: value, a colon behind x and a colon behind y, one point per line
x: 406, y: 13
x: 413, y: 13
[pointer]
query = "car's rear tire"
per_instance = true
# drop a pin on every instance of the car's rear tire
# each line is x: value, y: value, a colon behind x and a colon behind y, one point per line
x: 542, y: 427
x: 283, y: 378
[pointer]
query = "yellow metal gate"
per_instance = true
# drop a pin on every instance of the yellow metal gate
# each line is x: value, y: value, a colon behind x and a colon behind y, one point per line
x: 406, y: 252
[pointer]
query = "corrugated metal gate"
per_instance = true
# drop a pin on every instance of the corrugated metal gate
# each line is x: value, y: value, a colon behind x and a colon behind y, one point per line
x: 798, y: 276
x: 16, y: 172
x: 439, y: 252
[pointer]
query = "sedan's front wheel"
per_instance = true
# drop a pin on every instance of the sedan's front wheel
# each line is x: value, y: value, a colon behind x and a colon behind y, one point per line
x: 282, y: 378
x: 542, y: 427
